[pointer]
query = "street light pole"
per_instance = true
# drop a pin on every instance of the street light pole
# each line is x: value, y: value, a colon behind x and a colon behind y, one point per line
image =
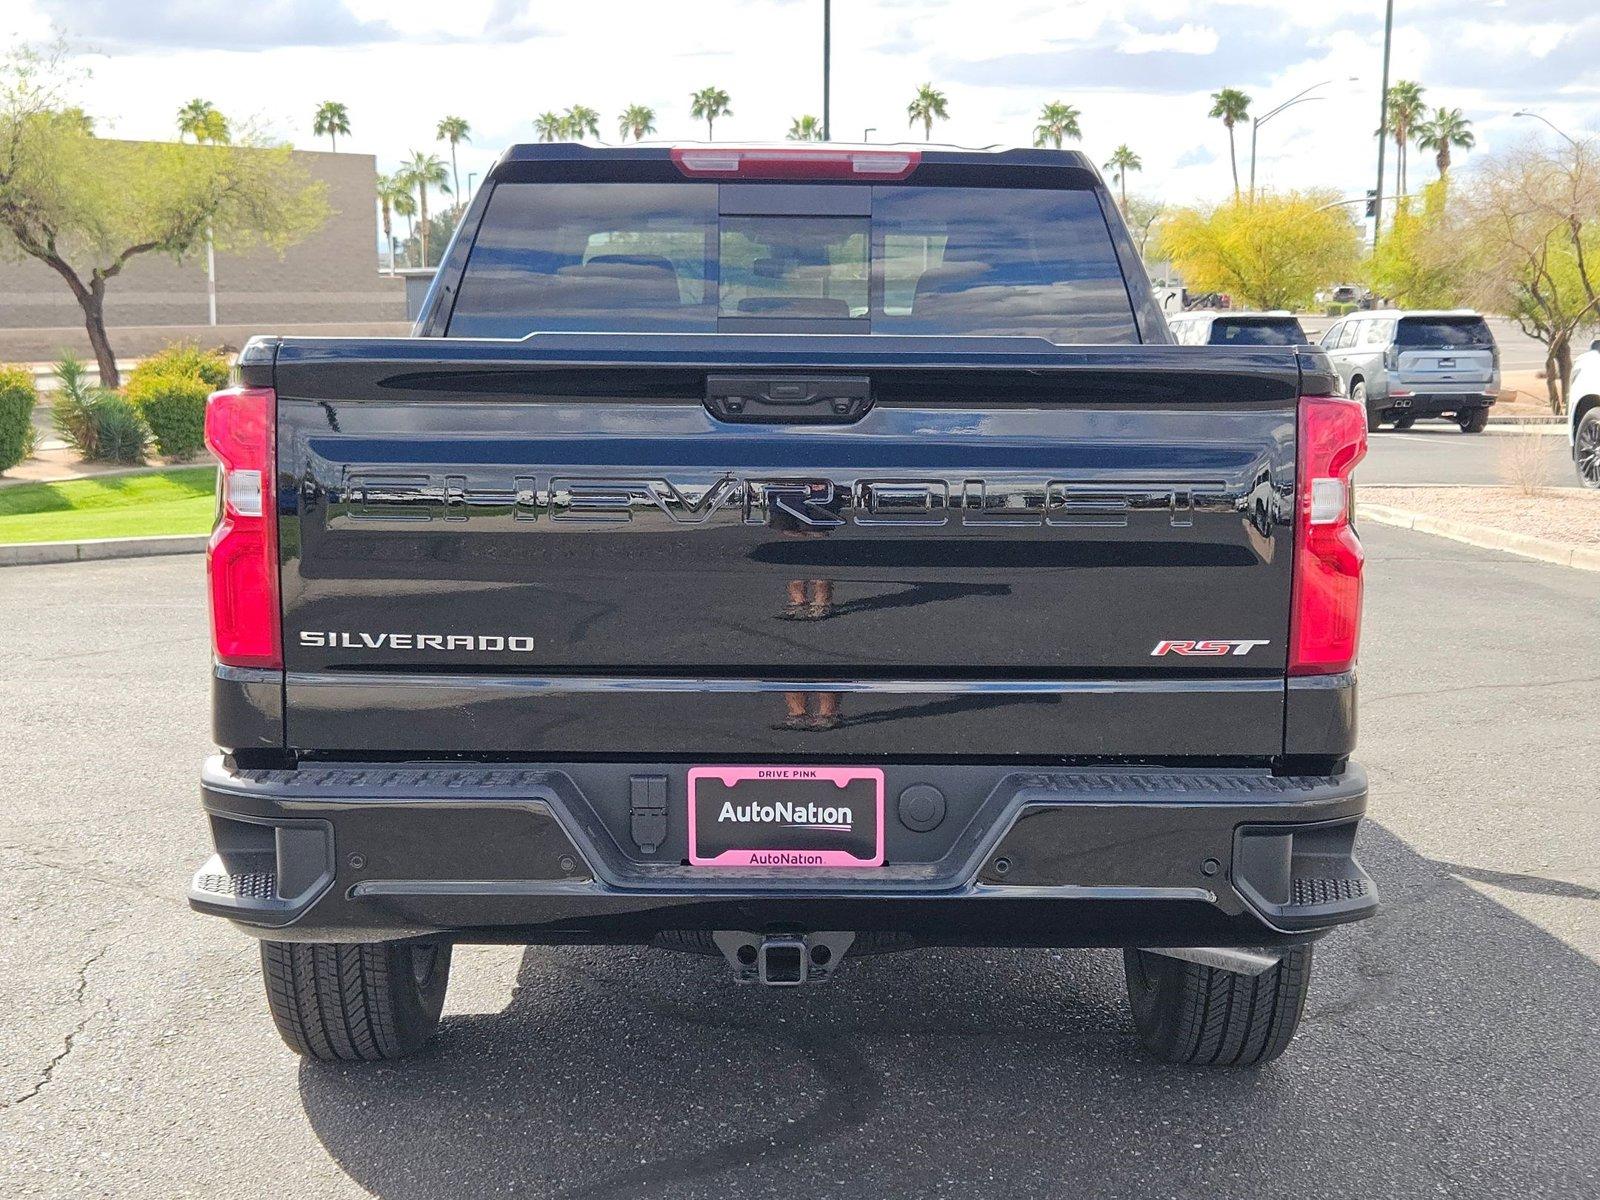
x: 471, y: 175
x: 211, y: 278
x: 1352, y: 200
x: 1256, y: 123
x: 827, y: 55
x: 1383, y: 122
x: 866, y: 134
x: 1561, y: 133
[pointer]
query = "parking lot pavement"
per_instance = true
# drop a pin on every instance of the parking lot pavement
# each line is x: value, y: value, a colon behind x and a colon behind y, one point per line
x: 1436, y: 452
x: 1450, y: 1048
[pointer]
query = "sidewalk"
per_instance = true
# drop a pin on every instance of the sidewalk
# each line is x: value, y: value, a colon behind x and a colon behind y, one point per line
x: 55, y: 463
x: 1559, y: 525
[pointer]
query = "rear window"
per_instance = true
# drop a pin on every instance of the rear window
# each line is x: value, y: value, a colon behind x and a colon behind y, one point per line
x: 1444, y: 332
x: 663, y: 257
x: 1284, y: 331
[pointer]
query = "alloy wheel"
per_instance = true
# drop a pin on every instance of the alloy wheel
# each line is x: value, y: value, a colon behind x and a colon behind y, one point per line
x: 1586, y: 454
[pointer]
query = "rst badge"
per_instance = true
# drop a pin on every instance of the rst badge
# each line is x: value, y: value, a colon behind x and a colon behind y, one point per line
x: 1209, y: 648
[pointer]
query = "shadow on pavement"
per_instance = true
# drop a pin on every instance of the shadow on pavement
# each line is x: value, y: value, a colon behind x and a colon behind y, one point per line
x: 1449, y: 1047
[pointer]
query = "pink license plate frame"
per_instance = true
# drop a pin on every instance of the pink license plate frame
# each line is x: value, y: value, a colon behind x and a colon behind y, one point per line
x: 802, y: 858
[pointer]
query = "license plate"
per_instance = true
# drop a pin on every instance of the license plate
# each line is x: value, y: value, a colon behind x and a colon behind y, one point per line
x: 805, y: 817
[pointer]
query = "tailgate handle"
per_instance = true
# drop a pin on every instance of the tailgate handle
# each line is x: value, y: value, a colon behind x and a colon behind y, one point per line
x: 789, y: 399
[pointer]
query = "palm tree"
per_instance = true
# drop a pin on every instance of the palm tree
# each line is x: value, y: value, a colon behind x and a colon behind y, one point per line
x: 1231, y: 106
x: 422, y: 171
x: 201, y: 119
x: 929, y: 105
x: 332, y: 119
x: 454, y: 130
x: 1057, y: 121
x: 1122, y: 161
x: 1405, y: 111
x: 636, y: 121
x: 707, y: 105
x: 805, y: 129
x: 394, y: 197
x: 549, y: 126
x: 1447, y: 128
x: 409, y: 212
x: 581, y: 121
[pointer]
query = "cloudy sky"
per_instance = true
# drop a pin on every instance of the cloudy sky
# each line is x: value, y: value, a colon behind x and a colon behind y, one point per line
x: 1140, y: 72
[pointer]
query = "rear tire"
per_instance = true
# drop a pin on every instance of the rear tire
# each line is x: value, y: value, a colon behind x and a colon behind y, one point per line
x: 1202, y: 1016
x: 361, y: 1002
x: 1586, y: 448
x: 1358, y: 393
x: 1474, y: 421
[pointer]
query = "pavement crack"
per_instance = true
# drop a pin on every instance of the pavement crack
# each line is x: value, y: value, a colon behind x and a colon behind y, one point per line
x: 1368, y: 701
x: 71, y: 1040
x: 30, y: 861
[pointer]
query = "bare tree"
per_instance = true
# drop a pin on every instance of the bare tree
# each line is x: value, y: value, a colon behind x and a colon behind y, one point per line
x: 1532, y: 216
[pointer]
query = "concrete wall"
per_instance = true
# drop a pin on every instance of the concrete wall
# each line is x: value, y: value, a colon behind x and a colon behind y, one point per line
x: 331, y: 276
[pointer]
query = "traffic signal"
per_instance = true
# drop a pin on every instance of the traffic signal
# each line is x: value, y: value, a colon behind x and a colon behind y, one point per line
x: 1372, y: 202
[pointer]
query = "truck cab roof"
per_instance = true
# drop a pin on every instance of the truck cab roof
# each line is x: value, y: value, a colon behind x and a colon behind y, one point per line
x: 874, y: 162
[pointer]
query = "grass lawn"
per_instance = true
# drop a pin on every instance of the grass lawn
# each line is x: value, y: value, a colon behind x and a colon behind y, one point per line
x: 160, y: 502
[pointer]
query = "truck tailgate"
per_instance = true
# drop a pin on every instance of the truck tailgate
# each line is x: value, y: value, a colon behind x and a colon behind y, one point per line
x: 538, y: 552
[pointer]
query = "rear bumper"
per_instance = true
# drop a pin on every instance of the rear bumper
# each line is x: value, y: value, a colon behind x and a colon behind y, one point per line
x: 1435, y: 404
x: 1109, y: 857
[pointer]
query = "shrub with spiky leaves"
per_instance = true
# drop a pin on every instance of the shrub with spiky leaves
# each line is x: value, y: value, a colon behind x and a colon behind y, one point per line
x: 120, y: 432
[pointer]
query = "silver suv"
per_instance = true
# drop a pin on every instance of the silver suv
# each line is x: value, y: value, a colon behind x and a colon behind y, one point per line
x: 1405, y: 365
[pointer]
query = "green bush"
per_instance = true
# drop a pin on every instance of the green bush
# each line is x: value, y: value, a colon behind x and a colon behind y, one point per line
x: 174, y: 407
x: 1340, y: 310
x: 183, y: 359
x: 17, y: 398
x: 120, y: 433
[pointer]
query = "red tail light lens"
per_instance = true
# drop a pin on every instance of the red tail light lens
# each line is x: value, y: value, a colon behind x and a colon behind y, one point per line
x: 242, y: 560
x: 782, y: 162
x: 1325, y: 621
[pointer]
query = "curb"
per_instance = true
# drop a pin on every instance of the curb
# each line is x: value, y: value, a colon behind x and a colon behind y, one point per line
x: 29, y: 554
x: 1511, y: 420
x: 1485, y: 537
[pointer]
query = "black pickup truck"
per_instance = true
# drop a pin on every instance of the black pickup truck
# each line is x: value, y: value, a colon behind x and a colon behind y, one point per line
x: 784, y: 554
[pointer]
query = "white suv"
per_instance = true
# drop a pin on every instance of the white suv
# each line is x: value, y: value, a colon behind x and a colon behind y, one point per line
x: 1213, y: 327
x: 1583, y: 413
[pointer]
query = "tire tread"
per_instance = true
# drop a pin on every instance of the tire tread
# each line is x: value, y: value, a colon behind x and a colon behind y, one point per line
x: 347, y: 1003
x: 1206, y: 1016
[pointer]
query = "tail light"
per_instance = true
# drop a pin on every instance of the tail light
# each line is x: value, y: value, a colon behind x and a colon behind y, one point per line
x: 1391, y: 358
x: 242, y: 559
x: 1325, y: 618
x: 785, y: 162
